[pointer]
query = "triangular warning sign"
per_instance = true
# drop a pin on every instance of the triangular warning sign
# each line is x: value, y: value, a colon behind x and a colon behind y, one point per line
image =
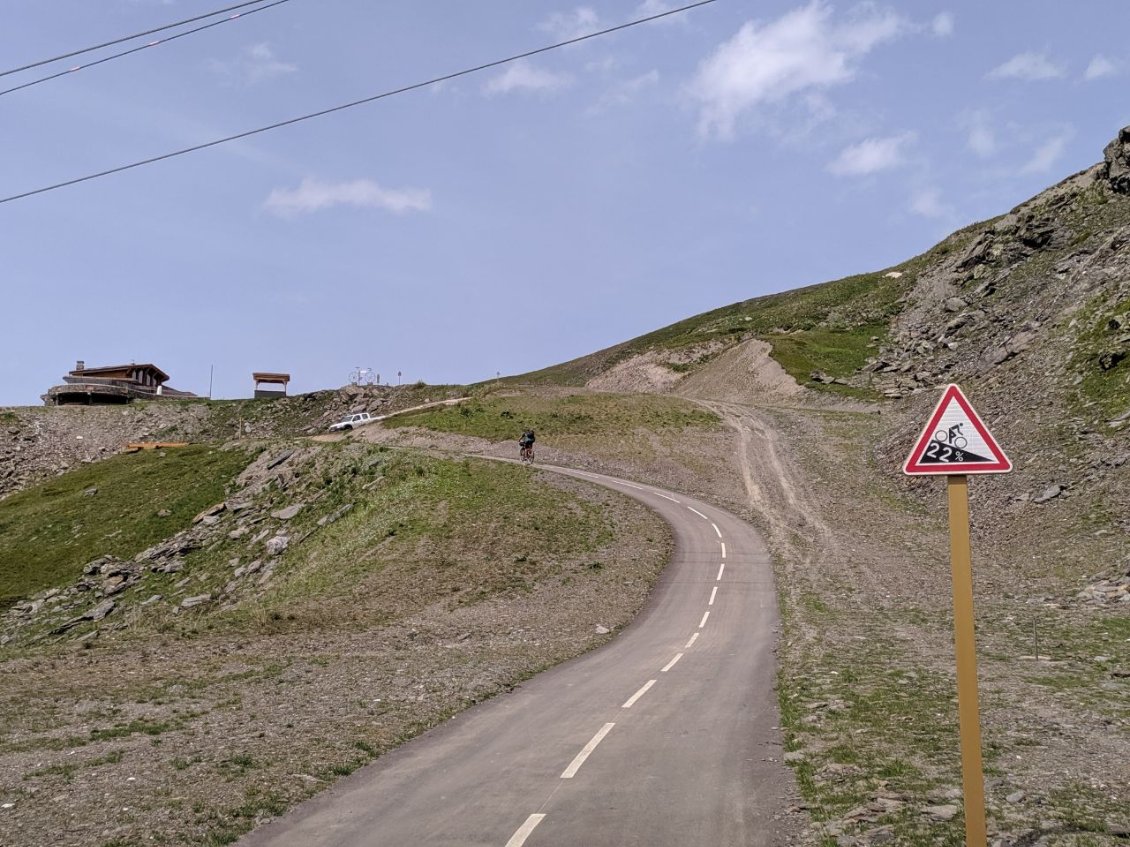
x: 955, y: 441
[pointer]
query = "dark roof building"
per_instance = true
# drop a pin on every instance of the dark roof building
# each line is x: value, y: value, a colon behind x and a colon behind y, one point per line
x: 112, y: 384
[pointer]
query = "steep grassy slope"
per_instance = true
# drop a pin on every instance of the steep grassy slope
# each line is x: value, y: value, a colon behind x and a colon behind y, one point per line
x: 829, y: 327
x: 234, y: 674
x: 117, y: 507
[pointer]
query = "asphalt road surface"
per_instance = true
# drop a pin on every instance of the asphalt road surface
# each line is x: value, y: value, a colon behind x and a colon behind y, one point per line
x: 664, y: 737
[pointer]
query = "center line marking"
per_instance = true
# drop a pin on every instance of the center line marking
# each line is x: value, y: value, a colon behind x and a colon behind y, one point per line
x: 638, y: 694
x: 723, y: 543
x: 665, y: 496
x: 519, y: 837
x: 692, y: 641
x: 671, y: 663
x: 640, y: 487
x: 713, y: 594
x: 697, y: 512
x: 717, y: 530
x: 721, y: 568
x: 704, y: 617
x: 575, y: 765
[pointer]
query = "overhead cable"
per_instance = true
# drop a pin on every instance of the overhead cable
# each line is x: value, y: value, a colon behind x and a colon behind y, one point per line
x: 157, y: 43
x: 126, y: 38
x: 361, y: 102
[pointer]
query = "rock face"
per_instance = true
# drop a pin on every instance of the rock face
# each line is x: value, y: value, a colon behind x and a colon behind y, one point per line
x: 1117, y: 161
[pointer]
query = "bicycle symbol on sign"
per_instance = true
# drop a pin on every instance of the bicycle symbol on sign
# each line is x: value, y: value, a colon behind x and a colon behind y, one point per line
x: 947, y: 445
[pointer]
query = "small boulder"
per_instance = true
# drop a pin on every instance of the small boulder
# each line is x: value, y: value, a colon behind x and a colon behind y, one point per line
x: 288, y: 513
x: 955, y: 304
x: 210, y: 512
x: 941, y: 813
x: 276, y: 545
x: 1049, y: 493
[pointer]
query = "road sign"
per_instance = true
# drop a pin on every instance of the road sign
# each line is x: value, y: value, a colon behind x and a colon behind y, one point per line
x: 956, y: 441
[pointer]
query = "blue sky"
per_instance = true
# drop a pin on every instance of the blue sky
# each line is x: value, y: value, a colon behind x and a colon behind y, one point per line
x: 518, y: 217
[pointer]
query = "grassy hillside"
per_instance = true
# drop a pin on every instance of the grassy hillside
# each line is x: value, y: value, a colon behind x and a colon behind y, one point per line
x: 502, y: 417
x: 234, y: 683
x: 118, y: 507
x: 826, y: 327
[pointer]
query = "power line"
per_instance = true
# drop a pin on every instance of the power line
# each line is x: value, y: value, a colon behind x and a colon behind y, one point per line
x: 361, y: 102
x: 157, y: 43
x: 125, y: 38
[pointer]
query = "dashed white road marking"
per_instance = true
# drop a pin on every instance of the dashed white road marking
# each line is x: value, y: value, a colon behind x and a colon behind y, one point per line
x: 713, y: 594
x: 716, y: 529
x: 638, y: 694
x: 519, y: 837
x: 721, y: 568
x: 665, y: 496
x: 703, y: 622
x: 694, y: 638
x: 575, y: 765
x: 630, y: 485
x: 723, y: 543
x: 671, y: 663
x: 697, y: 512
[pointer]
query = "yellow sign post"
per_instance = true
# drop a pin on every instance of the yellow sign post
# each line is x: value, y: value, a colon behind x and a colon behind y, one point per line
x: 968, y: 714
x: 954, y: 443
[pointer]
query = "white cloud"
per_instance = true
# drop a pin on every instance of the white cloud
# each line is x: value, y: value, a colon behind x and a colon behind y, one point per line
x: 254, y: 64
x: 1027, y: 66
x: 942, y: 25
x: 927, y: 202
x: 1099, y: 67
x: 982, y: 138
x: 313, y: 195
x: 803, y: 51
x: 871, y: 156
x: 522, y: 76
x: 568, y: 25
x: 1046, y: 155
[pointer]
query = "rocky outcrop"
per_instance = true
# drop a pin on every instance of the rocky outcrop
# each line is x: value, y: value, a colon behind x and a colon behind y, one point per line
x: 273, y: 509
x: 1116, y: 160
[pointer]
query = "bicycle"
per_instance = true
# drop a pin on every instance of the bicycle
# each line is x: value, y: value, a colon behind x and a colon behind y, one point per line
x: 526, y: 453
x: 952, y: 437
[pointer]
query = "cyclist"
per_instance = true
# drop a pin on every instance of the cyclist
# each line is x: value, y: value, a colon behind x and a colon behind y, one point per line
x: 526, y: 445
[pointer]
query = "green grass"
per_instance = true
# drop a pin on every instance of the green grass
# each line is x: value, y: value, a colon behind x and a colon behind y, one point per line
x: 838, y: 353
x: 1105, y: 391
x: 431, y: 529
x: 500, y: 418
x: 125, y: 730
x: 48, y: 532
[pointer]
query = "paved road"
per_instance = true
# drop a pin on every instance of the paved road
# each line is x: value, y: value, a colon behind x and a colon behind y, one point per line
x: 664, y: 737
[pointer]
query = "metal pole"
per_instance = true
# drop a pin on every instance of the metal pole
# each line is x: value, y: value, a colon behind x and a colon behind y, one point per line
x: 211, y: 370
x: 972, y: 773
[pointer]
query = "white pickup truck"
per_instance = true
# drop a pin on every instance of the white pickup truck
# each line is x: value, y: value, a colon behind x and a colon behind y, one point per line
x: 358, y: 419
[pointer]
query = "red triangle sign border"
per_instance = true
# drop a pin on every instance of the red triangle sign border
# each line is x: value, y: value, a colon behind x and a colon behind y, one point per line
x: 914, y: 466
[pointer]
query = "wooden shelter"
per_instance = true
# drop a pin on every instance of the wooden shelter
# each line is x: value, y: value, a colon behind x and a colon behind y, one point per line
x: 270, y: 379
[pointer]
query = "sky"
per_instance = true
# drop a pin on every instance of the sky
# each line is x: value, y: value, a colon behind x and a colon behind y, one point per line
x: 512, y: 218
